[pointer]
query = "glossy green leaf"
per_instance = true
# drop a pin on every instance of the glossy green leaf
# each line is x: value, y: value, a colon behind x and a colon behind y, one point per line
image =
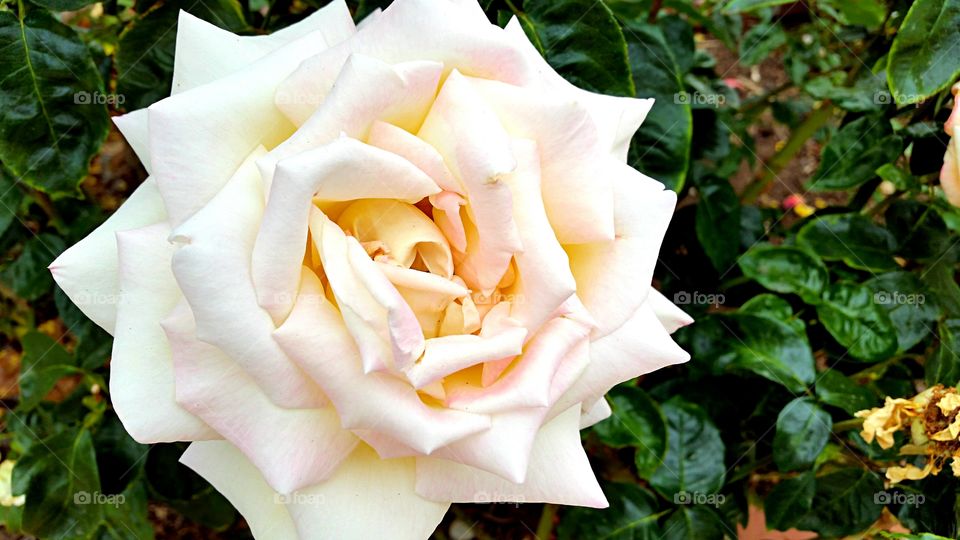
x: 944, y: 366
x: 63, y: 5
x: 789, y: 501
x: 843, y: 503
x: 803, y: 430
x: 867, y: 13
x: 855, y: 152
x: 661, y: 147
x: 700, y: 522
x: 785, y: 269
x: 582, y: 41
x: 736, y: 6
x: 44, y: 363
x: 694, y: 459
x: 632, y: 515
x: 28, y: 275
x: 835, y: 388
x: 923, y: 59
x: 718, y: 218
x: 10, y: 198
x: 772, y: 307
x: 853, y: 316
x: 636, y: 421
x: 912, y: 309
x: 52, y: 120
x: 769, y: 348
x: 851, y: 238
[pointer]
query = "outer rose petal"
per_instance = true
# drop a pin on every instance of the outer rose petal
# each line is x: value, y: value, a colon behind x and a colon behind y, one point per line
x: 232, y: 474
x: 950, y: 174
x: 604, y: 271
x: 597, y: 413
x: 559, y: 473
x: 412, y: 148
x: 141, y: 370
x: 314, y: 335
x: 133, y: 126
x: 220, y: 237
x: 206, y: 52
x: 88, y: 271
x: 293, y: 448
x: 671, y: 317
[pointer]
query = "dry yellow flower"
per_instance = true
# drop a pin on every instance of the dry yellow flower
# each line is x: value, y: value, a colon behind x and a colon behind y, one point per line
x: 911, y: 472
x: 881, y: 423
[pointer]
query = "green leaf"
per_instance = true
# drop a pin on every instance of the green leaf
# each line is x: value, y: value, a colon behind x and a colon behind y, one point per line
x: 694, y: 459
x: 175, y: 484
x: 661, y: 147
x: 843, y: 503
x: 28, y: 275
x: 867, y: 13
x: 59, y: 478
x: 760, y: 41
x: 773, y: 307
x: 631, y: 515
x: 10, y: 198
x: 51, y: 122
x: 908, y: 303
x: 923, y: 59
x: 582, y: 41
x: 834, y: 388
x: 851, y: 238
x: 944, y: 366
x: 636, y: 421
x: 789, y: 501
x: 44, y: 363
x: 746, y: 6
x: 698, y: 522
x: 63, y: 5
x: 855, y: 319
x: 855, y: 152
x: 718, y: 222
x: 769, y: 348
x: 786, y: 270
x: 803, y: 429
x: 145, y: 51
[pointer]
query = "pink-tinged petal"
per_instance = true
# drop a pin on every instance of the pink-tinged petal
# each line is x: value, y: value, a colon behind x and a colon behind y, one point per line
x: 599, y: 412
x: 617, y: 118
x: 206, y: 52
x: 409, y: 30
x: 134, y: 127
x: 950, y: 174
x: 544, y: 280
x: 412, y: 148
x: 212, y: 266
x: 385, y: 446
x: 315, y: 336
x: 343, y: 170
x: 428, y: 295
x: 671, y: 317
x: 613, y: 278
x: 383, y: 326
x: 88, y: 271
x: 141, y: 370
x: 477, y: 149
x: 570, y: 151
x: 232, y: 474
x: 558, y: 473
x: 640, y: 346
x: 446, y: 355
x: 447, y: 216
x: 954, y: 118
x: 205, y: 133
x: 293, y: 448
x: 368, y: 497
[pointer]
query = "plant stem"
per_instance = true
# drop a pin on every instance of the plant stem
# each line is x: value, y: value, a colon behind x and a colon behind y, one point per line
x: 545, y: 526
x: 847, y: 425
x: 807, y: 129
x: 654, y: 10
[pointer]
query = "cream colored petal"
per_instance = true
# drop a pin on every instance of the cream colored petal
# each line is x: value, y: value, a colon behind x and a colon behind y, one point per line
x: 412, y: 148
x: 671, y: 317
x: 134, y: 127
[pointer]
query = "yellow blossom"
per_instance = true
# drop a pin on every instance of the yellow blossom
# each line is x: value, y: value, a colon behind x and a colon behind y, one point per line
x: 6, y: 486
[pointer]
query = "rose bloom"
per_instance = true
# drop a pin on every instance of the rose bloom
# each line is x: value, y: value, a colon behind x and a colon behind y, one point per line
x: 378, y: 270
x: 950, y: 173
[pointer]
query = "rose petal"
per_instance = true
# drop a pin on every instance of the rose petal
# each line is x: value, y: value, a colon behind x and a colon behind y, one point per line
x: 293, y: 448
x: 206, y: 53
x: 446, y: 355
x: 412, y: 148
x: 599, y: 412
x: 950, y: 174
x: 671, y: 317
x: 88, y: 271
x: 315, y: 336
x: 212, y: 267
x: 141, y: 370
x: 559, y: 473
x: 134, y: 127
